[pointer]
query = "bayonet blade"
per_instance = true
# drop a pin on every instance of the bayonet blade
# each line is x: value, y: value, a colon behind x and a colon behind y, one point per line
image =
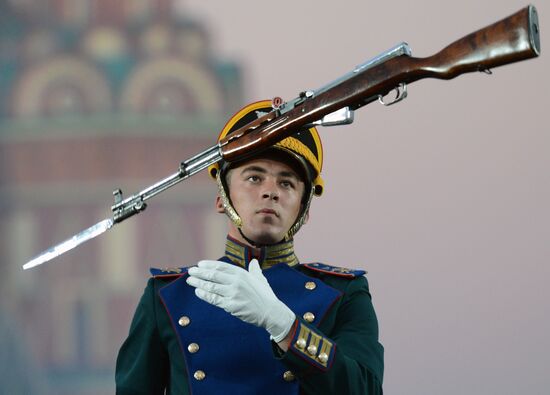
x: 71, y: 243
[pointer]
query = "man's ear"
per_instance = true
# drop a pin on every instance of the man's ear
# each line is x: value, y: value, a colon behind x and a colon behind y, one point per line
x: 219, y: 205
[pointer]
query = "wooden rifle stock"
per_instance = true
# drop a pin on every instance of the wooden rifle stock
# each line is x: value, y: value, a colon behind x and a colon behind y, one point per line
x: 512, y: 39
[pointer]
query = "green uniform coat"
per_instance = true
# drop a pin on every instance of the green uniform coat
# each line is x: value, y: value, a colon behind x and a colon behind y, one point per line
x: 338, y: 353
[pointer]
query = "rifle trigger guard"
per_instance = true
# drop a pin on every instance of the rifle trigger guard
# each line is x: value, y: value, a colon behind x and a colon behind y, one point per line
x: 400, y: 94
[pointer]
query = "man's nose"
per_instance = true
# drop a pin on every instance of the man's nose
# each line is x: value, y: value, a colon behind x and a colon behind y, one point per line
x: 271, y: 191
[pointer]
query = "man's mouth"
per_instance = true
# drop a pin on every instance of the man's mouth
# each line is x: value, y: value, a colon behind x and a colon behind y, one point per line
x: 268, y: 211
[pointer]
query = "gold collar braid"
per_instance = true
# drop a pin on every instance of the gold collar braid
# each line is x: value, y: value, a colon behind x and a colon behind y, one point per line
x: 269, y: 256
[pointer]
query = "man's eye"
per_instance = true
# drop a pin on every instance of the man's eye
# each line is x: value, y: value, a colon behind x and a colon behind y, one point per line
x: 287, y: 184
x: 253, y: 178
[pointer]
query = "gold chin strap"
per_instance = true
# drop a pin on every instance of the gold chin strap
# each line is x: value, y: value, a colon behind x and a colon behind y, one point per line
x: 300, y: 221
x: 229, y: 210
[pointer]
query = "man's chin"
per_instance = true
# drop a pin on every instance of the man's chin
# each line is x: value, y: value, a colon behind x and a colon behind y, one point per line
x: 266, y: 238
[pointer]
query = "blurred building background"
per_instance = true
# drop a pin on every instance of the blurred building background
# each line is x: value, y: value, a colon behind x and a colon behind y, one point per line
x: 442, y: 198
x: 95, y: 95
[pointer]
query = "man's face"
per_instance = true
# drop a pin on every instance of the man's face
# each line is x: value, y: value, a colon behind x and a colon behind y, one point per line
x: 267, y: 195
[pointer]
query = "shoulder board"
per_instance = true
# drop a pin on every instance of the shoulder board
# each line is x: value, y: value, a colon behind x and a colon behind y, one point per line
x: 168, y: 272
x: 334, y: 270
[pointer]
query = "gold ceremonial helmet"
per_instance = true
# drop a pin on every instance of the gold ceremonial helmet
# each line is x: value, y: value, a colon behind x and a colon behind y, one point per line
x: 303, y: 147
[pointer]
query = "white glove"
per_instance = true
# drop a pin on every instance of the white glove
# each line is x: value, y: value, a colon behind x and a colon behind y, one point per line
x: 244, y: 294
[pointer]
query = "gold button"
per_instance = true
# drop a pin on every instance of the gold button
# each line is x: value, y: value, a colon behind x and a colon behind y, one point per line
x: 184, y: 321
x: 323, y: 357
x: 311, y: 349
x: 309, y: 317
x: 310, y: 285
x: 288, y: 376
x: 199, y: 375
x: 193, y: 348
x: 301, y: 343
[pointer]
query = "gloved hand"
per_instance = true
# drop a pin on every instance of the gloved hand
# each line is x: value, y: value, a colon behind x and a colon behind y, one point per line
x: 244, y: 294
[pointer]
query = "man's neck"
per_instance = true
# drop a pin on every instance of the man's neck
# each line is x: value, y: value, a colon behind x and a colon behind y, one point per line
x: 255, y: 245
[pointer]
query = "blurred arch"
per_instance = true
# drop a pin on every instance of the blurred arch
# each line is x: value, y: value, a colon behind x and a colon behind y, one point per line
x: 67, y: 81
x: 170, y: 77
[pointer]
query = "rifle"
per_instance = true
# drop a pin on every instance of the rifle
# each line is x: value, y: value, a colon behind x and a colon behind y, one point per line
x: 510, y: 40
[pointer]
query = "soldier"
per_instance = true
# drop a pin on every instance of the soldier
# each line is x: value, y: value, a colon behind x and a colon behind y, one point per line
x: 257, y: 321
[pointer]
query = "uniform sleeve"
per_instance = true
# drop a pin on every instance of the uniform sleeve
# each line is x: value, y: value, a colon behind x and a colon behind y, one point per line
x: 142, y: 363
x: 347, y: 357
